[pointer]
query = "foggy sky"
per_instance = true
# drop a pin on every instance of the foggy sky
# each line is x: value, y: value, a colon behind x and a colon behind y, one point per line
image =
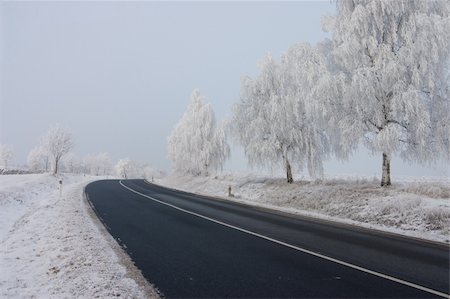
x: 119, y: 75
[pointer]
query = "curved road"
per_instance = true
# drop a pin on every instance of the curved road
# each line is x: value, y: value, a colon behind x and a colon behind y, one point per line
x: 195, y: 246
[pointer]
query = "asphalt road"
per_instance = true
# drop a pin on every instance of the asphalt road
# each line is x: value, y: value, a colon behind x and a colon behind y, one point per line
x: 198, y: 247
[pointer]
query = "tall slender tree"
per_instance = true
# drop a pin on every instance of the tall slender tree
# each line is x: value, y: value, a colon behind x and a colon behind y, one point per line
x: 279, y: 118
x: 196, y: 144
x: 260, y: 116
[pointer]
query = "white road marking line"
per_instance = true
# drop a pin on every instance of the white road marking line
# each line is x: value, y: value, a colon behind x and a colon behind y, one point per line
x: 410, y: 284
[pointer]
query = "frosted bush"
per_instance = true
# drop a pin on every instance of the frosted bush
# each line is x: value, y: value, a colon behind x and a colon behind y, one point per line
x: 438, y: 218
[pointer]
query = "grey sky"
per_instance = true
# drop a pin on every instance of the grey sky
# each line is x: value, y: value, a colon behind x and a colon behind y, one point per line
x: 119, y: 75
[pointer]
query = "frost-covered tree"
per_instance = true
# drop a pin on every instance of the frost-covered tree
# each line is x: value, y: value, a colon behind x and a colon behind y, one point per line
x: 72, y: 163
x: 38, y: 159
x: 304, y: 68
x: 278, y: 119
x: 127, y: 169
x: 196, y: 144
x: 98, y: 164
x: 6, y: 155
x: 105, y: 164
x: 264, y: 119
x: 58, y: 142
x: 152, y: 173
x: 393, y: 59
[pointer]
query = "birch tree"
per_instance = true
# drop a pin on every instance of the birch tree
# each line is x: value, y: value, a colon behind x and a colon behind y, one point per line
x: 197, y: 145
x: 58, y: 142
x: 305, y: 67
x: 394, y: 58
x: 279, y: 119
x: 260, y: 118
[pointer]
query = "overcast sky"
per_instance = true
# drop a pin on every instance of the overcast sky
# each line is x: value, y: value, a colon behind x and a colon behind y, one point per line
x: 119, y: 75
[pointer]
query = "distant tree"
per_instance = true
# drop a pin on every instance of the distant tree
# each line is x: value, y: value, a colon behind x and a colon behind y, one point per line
x: 105, y: 163
x: 72, y: 163
x: 127, y: 169
x: 89, y: 164
x: 196, y: 144
x: 278, y: 119
x: 98, y: 164
x: 6, y: 155
x: 58, y: 142
x: 151, y: 172
x: 393, y: 62
x: 37, y: 159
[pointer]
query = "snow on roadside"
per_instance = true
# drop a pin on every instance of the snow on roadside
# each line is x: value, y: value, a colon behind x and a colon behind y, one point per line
x: 52, y: 247
x: 414, y: 208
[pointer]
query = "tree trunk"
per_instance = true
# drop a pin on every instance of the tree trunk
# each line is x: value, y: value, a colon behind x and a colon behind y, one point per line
x: 56, y: 167
x: 386, y: 176
x: 289, y: 172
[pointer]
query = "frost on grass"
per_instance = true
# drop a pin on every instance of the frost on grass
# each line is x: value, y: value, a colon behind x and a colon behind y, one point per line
x: 410, y: 208
x: 53, y: 248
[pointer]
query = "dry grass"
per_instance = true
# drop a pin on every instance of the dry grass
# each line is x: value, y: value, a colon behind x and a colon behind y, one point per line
x: 438, y: 219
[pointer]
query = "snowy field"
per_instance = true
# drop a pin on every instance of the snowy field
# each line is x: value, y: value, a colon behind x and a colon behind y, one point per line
x: 53, y: 247
x: 417, y: 207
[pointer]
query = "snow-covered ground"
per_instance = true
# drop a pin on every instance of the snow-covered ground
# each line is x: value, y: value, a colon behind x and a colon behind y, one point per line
x: 417, y: 207
x: 52, y: 246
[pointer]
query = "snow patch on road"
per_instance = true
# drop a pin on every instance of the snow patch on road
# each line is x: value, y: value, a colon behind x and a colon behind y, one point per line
x: 416, y: 207
x: 51, y: 247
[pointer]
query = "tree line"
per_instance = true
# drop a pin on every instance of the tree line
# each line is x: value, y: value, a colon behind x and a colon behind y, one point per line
x: 54, y: 153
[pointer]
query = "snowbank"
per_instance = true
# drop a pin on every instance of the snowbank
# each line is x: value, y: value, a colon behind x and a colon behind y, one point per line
x: 416, y: 207
x: 52, y: 247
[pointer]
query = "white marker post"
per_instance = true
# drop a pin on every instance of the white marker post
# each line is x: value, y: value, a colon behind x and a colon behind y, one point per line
x: 60, y: 188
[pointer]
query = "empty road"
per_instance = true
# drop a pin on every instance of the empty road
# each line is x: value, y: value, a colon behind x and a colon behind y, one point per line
x: 192, y: 246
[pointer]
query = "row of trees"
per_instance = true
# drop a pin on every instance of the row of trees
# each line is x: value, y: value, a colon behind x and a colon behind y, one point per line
x: 54, y: 154
x: 382, y: 80
x: 55, y: 144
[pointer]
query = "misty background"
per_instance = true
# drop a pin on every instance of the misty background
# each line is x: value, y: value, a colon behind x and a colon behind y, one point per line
x: 119, y: 75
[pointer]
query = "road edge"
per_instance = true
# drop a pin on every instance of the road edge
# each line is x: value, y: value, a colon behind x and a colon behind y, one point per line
x: 132, y: 271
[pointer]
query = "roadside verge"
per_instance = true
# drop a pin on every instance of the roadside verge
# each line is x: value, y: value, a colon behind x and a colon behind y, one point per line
x: 417, y: 211
x: 55, y: 249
